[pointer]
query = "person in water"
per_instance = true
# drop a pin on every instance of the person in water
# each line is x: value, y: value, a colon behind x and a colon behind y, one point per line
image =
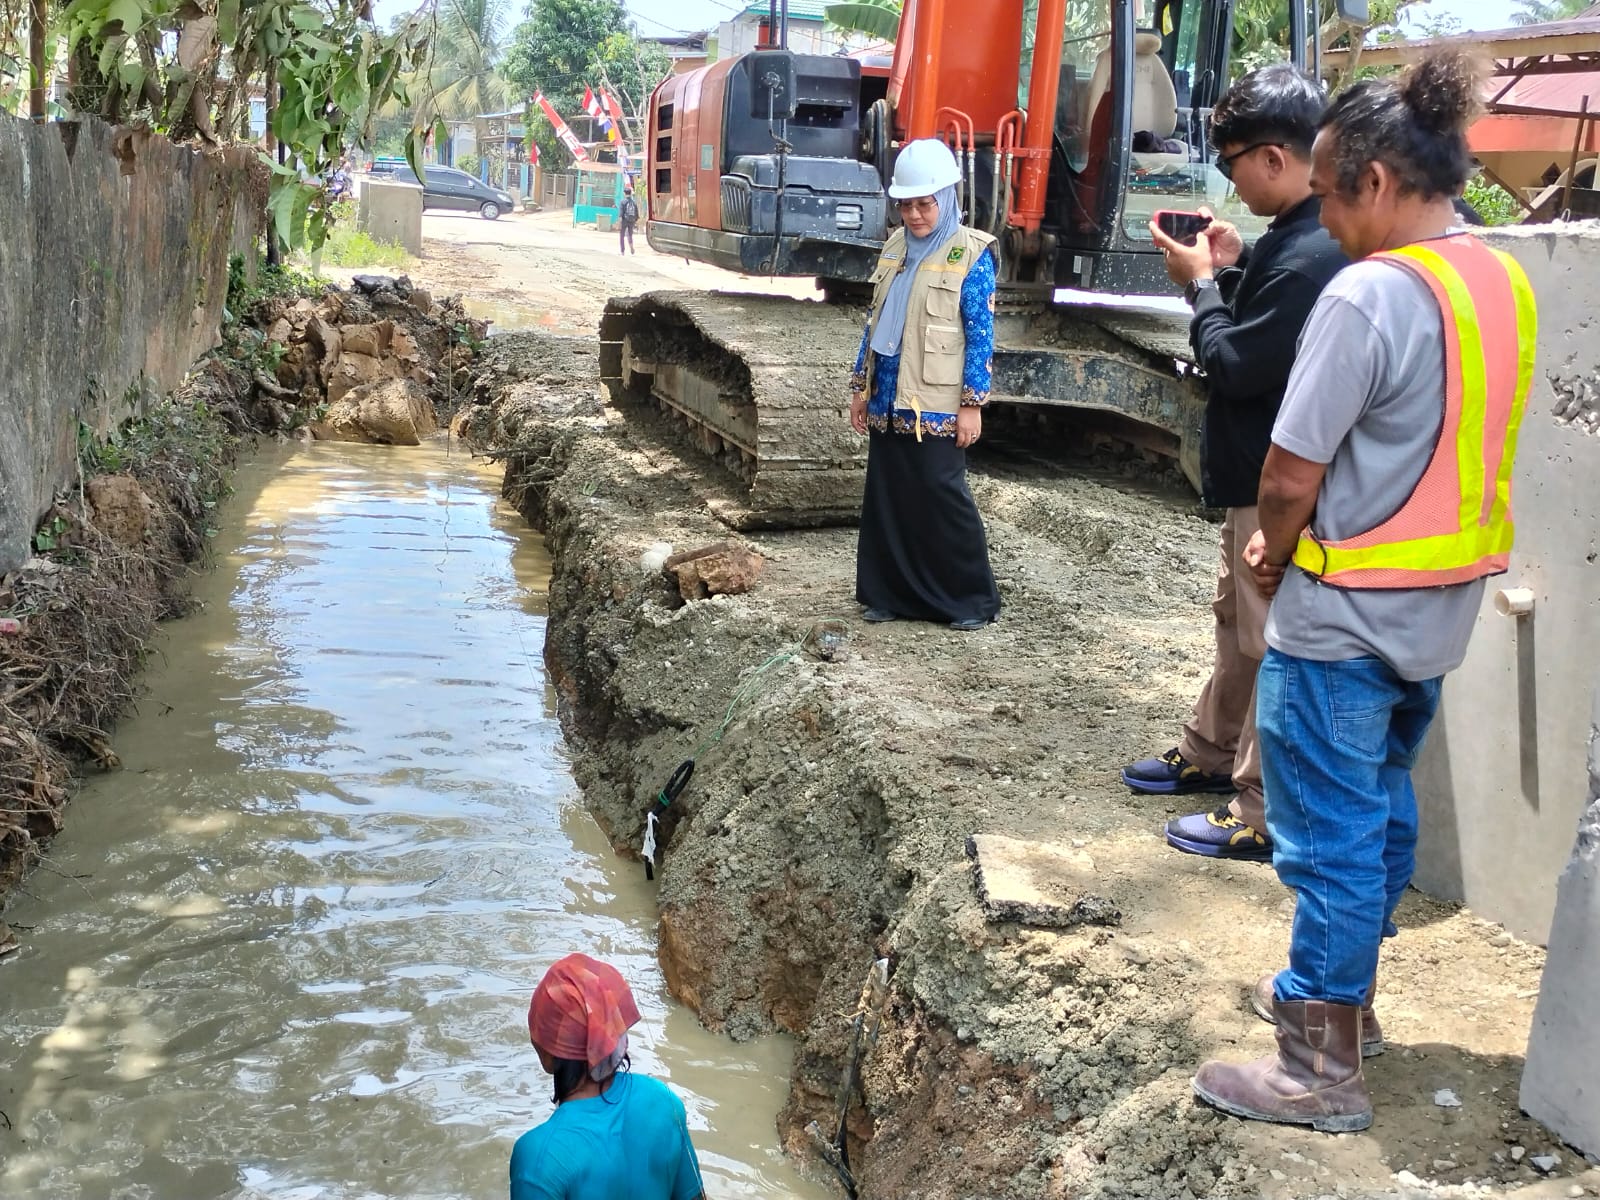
x: 615, y: 1135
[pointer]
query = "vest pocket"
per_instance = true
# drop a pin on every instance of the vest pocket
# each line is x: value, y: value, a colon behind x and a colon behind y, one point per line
x: 944, y: 295
x: 944, y: 351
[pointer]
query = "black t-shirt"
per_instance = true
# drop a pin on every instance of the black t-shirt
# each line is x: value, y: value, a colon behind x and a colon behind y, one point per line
x: 630, y: 210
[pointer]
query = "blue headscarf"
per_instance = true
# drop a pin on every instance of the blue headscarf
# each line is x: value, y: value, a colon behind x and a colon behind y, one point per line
x: 890, y: 329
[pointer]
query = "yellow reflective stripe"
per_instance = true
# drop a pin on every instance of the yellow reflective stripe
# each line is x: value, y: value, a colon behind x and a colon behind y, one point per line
x: 1442, y: 552
x: 1474, y: 380
x: 1527, y: 348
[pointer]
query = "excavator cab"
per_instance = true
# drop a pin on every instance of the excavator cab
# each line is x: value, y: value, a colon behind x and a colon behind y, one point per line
x: 1076, y: 121
x: 1135, y: 91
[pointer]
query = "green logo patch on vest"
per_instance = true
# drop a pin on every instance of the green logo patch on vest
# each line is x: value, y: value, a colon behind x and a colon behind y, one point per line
x: 956, y: 255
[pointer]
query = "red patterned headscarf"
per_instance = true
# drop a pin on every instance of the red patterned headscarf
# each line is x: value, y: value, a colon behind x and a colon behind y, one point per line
x: 581, y: 1010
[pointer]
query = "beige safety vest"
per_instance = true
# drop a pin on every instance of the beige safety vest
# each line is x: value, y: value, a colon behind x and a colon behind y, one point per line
x: 934, y: 349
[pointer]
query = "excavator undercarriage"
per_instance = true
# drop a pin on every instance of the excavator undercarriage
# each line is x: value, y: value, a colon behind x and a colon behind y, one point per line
x: 761, y: 385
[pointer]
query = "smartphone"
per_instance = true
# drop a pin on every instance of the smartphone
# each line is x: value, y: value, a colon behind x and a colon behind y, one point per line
x: 1181, y: 227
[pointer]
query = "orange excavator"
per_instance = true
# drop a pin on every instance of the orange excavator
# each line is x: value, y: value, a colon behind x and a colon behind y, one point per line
x: 1073, y: 121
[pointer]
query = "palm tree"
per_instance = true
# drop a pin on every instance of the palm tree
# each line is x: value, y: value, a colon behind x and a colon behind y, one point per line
x: 470, y: 44
x: 1537, y: 12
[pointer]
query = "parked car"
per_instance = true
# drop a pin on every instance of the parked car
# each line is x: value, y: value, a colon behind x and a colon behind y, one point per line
x: 446, y: 187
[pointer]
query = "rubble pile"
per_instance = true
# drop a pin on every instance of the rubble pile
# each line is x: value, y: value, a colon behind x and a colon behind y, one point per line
x: 373, y: 364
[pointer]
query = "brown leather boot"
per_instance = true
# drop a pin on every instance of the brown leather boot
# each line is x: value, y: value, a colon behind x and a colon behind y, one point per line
x: 1314, y: 1079
x: 1262, y: 996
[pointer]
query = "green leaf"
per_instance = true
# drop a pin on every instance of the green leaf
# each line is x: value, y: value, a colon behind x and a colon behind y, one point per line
x: 129, y: 12
x: 110, y: 52
x: 874, y: 20
x: 414, y: 156
x: 228, y: 22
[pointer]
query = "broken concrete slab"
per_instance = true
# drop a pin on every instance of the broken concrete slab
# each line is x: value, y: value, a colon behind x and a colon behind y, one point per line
x: 1037, y: 883
x: 723, y: 568
x: 1561, y: 1078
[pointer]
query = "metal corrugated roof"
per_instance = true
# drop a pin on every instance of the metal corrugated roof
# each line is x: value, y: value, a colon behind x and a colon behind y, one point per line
x: 1576, y: 35
x: 802, y: 10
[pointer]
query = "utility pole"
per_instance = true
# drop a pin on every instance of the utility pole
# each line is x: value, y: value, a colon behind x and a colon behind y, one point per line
x: 36, y: 30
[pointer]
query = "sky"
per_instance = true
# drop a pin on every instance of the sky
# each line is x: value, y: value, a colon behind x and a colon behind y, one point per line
x: 660, y: 18
x: 663, y: 18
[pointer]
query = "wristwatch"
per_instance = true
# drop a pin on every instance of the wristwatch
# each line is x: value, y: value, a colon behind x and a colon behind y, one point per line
x: 1191, y: 293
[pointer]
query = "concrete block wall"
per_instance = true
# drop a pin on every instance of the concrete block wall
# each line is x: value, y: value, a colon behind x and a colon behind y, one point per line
x: 390, y: 211
x: 114, y: 249
x: 1561, y: 1080
x: 1502, y: 779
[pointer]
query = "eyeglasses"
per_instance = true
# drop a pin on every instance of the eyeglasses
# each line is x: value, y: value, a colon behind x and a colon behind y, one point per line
x: 925, y: 204
x: 1224, y: 162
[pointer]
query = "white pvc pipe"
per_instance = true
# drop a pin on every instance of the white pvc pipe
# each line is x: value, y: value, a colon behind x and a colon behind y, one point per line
x: 1513, y: 602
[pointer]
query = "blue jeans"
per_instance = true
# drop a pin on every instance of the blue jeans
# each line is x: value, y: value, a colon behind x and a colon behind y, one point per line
x: 1338, y: 741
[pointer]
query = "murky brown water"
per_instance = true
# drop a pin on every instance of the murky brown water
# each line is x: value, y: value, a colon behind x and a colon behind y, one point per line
x: 287, y: 950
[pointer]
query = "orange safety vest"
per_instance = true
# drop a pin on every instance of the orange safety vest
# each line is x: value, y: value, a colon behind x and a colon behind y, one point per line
x: 1456, y: 524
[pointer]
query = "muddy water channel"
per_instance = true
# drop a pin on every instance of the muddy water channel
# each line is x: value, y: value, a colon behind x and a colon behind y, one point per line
x: 287, y: 950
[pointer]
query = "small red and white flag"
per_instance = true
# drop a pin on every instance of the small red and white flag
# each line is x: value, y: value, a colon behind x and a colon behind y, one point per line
x: 592, y: 106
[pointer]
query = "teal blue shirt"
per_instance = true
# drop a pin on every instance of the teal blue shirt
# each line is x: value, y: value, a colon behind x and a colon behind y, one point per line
x: 630, y: 1143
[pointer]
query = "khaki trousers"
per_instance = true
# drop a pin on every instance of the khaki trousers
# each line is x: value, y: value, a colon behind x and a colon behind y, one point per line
x: 1220, y: 736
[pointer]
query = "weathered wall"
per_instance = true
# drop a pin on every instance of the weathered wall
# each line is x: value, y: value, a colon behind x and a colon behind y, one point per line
x: 1561, y: 1083
x: 114, y: 252
x: 1502, y: 779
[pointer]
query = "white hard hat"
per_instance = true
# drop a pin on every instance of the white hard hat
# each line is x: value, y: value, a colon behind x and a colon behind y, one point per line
x: 923, y: 168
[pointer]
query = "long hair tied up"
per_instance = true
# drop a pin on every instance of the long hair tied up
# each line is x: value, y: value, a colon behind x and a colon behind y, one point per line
x: 1415, y: 125
x: 1444, y: 91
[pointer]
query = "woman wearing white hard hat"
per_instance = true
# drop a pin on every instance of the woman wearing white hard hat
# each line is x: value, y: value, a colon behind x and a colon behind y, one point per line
x: 920, y: 384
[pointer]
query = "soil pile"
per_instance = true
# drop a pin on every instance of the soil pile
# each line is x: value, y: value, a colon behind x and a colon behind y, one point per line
x: 839, y: 778
x: 345, y: 356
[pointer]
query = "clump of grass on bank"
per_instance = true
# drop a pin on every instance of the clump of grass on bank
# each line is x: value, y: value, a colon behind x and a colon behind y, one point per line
x: 348, y: 246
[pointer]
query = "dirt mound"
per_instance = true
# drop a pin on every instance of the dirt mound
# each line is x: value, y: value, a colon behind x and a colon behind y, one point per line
x: 826, y: 827
x: 315, y: 351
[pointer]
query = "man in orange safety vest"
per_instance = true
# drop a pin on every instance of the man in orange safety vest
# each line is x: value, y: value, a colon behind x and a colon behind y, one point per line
x: 1385, y: 503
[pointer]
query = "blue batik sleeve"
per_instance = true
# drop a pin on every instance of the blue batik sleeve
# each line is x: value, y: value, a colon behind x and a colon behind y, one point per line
x: 858, y: 377
x: 977, y: 320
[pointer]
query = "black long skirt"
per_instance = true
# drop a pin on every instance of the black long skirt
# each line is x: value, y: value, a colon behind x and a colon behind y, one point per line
x: 922, y: 553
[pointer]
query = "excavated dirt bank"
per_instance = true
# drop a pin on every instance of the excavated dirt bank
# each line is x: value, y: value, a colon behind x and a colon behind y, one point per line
x: 828, y: 827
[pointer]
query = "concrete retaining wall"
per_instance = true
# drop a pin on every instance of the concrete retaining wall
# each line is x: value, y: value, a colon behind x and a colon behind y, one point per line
x: 390, y: 212
x: 1503, y: 777
x: 114, y: 251
x: 1561, y: 1082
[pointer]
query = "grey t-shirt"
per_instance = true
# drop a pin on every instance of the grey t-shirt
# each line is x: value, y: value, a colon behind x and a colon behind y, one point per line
x: 1367, y: 397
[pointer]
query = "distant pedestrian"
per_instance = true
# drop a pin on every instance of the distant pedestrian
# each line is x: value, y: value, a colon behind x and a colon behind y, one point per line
x: 1250, y: 304
x: 615, y: 1135
x: 921, y: 380
x: 1385, y: 503
x: 627, y: 218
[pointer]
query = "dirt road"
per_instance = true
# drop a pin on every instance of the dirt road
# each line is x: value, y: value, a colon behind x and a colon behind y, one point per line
x: 536, y: 270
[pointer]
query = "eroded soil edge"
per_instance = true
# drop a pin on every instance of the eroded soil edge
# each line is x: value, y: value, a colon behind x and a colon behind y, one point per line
x: 828, y: 828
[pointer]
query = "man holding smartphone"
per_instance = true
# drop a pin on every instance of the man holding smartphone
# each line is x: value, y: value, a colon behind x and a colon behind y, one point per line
x: 1250, y: 304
